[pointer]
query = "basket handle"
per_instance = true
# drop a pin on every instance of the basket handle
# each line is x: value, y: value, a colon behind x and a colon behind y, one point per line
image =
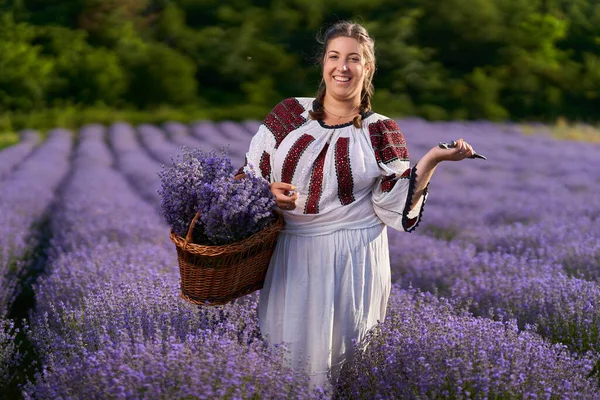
x: 188, y: 236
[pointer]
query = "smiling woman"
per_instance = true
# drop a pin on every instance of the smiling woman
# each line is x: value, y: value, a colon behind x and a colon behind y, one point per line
x: 340, y: 174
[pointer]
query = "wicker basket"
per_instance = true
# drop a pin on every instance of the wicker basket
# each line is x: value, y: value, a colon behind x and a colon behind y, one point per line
x: 215, y: 275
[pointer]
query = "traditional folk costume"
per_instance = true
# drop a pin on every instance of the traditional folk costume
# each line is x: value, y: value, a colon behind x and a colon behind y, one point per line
x: 328, y: 282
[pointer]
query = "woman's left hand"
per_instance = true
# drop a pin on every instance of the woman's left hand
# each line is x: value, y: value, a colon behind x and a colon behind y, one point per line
x: 459, y: 152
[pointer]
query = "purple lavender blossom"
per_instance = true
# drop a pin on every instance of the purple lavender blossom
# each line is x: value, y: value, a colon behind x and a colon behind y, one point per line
x: 230, y: 210
x: 26, y: 195
x: 427, y: 349
x: 9, y: 353
x: 13, y: 155
x: 156, y: 143
x: 180, y: 134
x: 134, y: 162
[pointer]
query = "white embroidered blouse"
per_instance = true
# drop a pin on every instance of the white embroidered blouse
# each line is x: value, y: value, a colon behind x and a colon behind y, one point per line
x: 347, y: 177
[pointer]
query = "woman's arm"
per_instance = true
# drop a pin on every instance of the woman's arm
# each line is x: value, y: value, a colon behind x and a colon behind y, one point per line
x: 429, y: 162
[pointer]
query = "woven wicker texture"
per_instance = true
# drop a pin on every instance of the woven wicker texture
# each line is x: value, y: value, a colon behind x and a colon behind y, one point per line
x: 215, y: 275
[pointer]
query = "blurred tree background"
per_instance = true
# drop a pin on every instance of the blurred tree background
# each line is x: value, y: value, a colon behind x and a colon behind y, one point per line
x: 521, y: 60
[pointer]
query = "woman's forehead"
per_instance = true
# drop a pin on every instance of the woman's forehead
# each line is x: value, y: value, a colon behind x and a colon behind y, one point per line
x: 345, y: 45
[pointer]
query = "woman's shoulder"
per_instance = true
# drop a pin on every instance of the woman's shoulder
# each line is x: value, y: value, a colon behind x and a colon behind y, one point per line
x: 294, y: 102
x: 379, y: 123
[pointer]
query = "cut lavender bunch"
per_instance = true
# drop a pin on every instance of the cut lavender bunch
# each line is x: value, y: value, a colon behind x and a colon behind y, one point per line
x: 230, y: 210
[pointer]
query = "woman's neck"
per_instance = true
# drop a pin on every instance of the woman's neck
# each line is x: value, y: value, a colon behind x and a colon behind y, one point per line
x: 341, y: 110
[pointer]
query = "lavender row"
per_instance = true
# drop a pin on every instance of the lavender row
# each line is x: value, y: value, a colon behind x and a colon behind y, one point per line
x: 109, y: 322
x: 180, y: 134
x: 134, y: 162
x: 526, y: 179
x: 232, y: 136
x: 504, y: 285
x: 26, y: 195
x: 426, y: 349
x: 13, y: 155
x: 104, y: 227
x: 213, y: 136
x: 10, y: 356
x: 156, y: 143
x: 515, y: 236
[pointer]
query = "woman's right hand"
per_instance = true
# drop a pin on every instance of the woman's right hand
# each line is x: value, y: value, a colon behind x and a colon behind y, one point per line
x: 285, y: 195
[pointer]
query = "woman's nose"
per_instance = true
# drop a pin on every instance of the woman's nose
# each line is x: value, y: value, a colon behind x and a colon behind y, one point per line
x: 343, y: 67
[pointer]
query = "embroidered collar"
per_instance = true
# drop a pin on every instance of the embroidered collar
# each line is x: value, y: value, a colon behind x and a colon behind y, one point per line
x: 316, y: 103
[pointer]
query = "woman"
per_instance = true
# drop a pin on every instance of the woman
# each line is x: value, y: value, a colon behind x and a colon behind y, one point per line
x: 340, y: 174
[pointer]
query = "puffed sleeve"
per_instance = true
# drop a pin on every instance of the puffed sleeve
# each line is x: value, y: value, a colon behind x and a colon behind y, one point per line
x: 285, y: 117
x: 394, y: 188
x: 258, y: 157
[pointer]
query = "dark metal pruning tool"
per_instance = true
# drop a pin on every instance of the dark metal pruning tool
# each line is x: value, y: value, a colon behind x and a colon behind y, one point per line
x: 452, y: 145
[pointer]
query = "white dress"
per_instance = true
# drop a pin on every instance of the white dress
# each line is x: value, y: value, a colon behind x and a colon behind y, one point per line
x: 329, y: 278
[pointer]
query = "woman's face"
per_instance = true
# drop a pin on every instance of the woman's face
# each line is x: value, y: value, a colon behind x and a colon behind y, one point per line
x: 344, y: 69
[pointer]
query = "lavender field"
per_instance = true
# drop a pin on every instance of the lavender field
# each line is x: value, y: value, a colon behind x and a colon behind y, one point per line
x: 496, y: 295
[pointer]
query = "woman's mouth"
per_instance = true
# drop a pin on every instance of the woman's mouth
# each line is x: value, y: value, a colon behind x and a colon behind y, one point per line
x: 342, y: 79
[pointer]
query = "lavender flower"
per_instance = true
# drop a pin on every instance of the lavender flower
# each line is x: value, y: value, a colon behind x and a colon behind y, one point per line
x: 9, y: 354
x: 425, y: 349
x: 230, y: 210
x: 13, y: 155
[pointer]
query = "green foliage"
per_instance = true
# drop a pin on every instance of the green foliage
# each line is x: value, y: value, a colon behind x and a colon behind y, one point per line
x: 483, y: 59
x: 8, y: 139
x: 25, y: 74
x: 83, y: 74
x: 158, y: 75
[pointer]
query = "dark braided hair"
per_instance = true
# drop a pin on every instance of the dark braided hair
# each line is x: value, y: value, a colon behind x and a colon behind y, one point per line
x: 358, y: 32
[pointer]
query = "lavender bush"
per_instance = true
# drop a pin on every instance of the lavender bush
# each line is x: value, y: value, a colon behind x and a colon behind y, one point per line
x: 26, y: 195
x: 13, y: 155
x: 230, y: 210
x: 426, y: 349
x: 9, y: 354
x: 134, y: 162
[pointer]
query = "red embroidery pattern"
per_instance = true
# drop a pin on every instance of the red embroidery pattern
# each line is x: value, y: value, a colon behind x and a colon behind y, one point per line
x: 265, y: 165
x: 343, y: 170
x: 285, y: 117
x: 388, y: 183
x: 410, y: 222
x: 316, y: 184
x: 388, y: 141
x: 293, y: 156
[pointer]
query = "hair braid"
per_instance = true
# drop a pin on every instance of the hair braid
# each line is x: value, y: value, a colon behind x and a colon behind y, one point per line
x: 365, y: 107
x: 319, y: 112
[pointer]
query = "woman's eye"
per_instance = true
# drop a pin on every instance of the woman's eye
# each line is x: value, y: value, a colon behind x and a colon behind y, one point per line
x: 355, y: 59
x: 333, y: 57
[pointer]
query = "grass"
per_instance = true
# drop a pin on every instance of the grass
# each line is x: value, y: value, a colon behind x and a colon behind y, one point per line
x: 565, y: 130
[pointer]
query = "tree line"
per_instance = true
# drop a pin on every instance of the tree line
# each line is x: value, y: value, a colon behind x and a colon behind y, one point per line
x: 451, y: 59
